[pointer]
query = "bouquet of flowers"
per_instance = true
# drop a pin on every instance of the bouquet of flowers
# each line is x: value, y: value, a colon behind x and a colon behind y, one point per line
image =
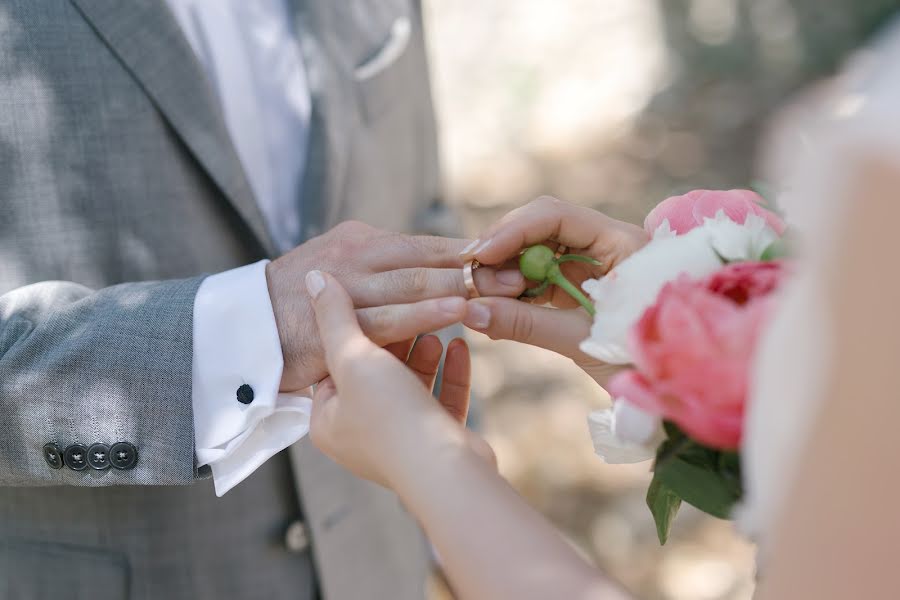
x: 685, y: 313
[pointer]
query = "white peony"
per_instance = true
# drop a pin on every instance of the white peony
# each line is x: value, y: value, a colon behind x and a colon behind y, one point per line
x: 625, y: 433
x: 622, y: 296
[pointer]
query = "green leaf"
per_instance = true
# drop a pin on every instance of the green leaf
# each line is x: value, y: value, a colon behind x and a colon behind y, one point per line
x: 681, y: 446
x: 702, y: 487
x: 664, y: 505
x: 730, y: 470
x: 672, y: 430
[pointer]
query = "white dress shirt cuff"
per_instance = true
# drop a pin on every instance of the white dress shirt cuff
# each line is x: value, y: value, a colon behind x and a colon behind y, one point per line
x: 236, y: 343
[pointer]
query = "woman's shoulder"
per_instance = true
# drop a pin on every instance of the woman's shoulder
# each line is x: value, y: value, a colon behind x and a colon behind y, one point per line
x: 814, y: 146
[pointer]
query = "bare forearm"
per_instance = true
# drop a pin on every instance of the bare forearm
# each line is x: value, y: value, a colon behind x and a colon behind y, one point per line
x: 490, y: 542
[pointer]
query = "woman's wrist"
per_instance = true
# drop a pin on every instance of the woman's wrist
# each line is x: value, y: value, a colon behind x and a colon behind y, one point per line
x: 427, y: 445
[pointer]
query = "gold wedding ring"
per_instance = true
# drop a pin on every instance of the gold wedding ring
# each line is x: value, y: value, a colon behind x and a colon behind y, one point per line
x: 469, y: 277
x: 561, y: 249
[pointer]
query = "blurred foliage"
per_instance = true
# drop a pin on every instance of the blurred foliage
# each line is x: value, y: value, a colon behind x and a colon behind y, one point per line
x: 615, y: 105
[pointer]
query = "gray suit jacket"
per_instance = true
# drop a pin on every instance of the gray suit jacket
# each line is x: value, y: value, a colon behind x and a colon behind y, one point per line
x: 119, y: 189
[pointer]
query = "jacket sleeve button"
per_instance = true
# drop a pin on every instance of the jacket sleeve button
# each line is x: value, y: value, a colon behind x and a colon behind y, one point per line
x: 53, y: 456
x: 75, y: 457
x: 98, y: 456
x: 123, y: 455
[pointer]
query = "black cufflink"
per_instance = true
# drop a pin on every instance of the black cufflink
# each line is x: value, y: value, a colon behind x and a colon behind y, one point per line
x: 123, y: 455
x: 245, y: 394
x: 98, y: 456
x: 53, y: 456
x: 76, y: 457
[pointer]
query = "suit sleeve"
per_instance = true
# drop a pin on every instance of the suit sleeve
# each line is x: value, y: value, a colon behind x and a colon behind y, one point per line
x: 105, y: 371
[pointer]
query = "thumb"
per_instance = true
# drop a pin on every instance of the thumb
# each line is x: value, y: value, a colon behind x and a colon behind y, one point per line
x: 559, y: 330
x: 339, y: 330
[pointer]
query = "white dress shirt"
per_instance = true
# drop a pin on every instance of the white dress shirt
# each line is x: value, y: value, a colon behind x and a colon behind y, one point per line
x: 253, y: 61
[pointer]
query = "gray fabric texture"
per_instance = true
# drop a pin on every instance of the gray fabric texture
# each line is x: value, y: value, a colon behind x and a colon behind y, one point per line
x: 119, y: 190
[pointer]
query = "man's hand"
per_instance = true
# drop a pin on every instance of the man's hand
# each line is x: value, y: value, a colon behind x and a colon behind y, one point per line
x: 400, y: 285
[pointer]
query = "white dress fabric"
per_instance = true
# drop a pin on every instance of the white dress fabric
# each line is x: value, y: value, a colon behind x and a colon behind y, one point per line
x: 816, y: 149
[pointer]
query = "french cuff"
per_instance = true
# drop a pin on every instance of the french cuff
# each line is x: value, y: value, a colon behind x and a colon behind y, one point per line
x: 240, y: 419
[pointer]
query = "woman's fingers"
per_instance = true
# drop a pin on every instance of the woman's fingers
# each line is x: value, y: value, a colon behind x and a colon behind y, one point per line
x: 322, y: 415
x: 343, y: 341
x: 505, y: 319
x: 401, y: 349
x: 456, y: 382
x: 551, y: 219
x: 425, y: 359
x: 325, y: 390
x: 480, y: 447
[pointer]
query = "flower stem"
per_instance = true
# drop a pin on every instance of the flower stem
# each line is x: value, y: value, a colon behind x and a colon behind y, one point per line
x: 578, y: 258
x: 555, y: 276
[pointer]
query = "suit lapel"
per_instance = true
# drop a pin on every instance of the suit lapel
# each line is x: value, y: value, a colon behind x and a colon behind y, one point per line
x: 148, y: 41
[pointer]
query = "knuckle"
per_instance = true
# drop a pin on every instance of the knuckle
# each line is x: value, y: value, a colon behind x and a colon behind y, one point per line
x: 377, y: 321
x: 438, y: 245
x: 349, y: 237
x: 418, y: 281
x: 522, y: 325
x: 351, y: 228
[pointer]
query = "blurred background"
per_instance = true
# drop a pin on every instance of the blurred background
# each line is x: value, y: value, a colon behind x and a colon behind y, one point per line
x: 614, y: 104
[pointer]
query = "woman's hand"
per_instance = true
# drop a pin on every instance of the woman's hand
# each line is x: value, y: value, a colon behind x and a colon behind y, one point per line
x: 553, y: 222
x: 375, y: 411
x: 375, y: 416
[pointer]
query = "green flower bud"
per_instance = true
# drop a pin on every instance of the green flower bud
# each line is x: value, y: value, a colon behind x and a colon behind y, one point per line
x: 535, y: 263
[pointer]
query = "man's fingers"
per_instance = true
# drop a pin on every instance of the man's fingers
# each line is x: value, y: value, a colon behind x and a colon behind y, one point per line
x: 404, y: 251
x: 414, y: 284
x: 342, y: 338
x: 425, y: 359
x: 504, y: 319
x: 395, y: 322
x: 456, y: 382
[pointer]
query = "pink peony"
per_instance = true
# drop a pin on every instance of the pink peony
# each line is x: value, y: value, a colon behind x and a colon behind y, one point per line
x: 688, y: 211
x: 692, y: 350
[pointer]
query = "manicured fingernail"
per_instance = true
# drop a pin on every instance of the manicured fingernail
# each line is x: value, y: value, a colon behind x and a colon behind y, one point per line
x: 511, y: 278
x: 451, y: 306
x: 482, y: 247
x: 469, y: 248
x: 478, y: 316
x: 315, y: 283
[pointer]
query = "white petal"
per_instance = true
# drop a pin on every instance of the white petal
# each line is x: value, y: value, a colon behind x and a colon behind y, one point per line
x: 664, y: 230
x: 608, y: 446
x: 635, y: 425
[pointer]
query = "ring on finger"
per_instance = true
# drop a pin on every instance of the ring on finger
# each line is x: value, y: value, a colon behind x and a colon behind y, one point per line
x: 469, y: 278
